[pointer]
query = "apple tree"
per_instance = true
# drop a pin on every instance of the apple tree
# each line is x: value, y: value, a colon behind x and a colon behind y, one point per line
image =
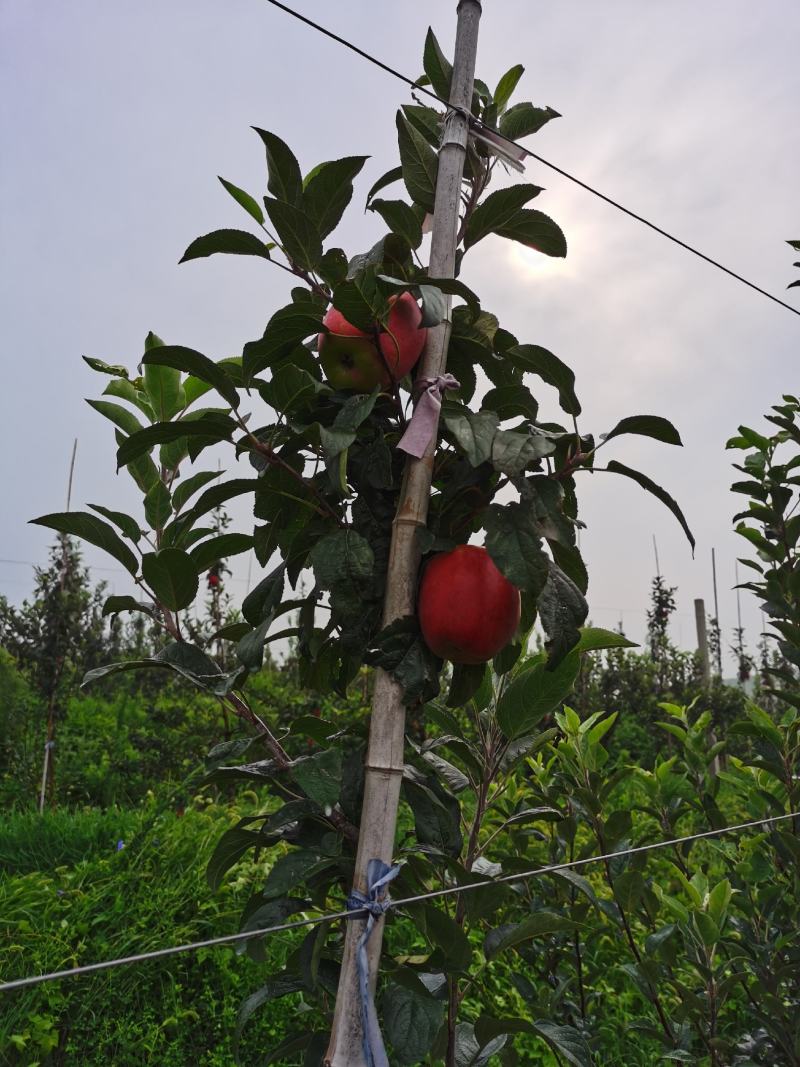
x: 316, y: 456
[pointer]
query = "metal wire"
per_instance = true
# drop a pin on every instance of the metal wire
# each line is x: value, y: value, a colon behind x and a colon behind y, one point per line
x: 248, y: 935
x: 478, y: 125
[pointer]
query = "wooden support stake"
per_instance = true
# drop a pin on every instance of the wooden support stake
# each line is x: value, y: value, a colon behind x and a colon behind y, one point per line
x: 387, y: 726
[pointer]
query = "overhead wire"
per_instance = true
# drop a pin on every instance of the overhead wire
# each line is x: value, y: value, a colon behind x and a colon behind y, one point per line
x: 478, y: 125
x: 249, y: 935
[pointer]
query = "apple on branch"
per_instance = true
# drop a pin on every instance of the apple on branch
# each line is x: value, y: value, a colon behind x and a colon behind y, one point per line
x: 353, y: 361
x: 468, y: 611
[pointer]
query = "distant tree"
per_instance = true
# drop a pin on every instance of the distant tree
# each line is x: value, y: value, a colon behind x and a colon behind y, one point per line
x: 662, y: 606
x: 59, y: 634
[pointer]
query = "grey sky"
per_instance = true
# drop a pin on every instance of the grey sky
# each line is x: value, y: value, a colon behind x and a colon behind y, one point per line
x: 116, y: 118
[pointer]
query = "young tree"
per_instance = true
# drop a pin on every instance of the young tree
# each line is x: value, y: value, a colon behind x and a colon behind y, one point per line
x: 57, y: 636
x: 328, y: 405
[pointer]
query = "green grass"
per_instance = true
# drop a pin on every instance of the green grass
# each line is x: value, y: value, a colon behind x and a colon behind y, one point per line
x: 104, y: 903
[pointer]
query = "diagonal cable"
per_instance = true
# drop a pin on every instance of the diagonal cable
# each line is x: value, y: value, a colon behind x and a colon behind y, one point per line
x: 248, y: 935
x: 478, y: 126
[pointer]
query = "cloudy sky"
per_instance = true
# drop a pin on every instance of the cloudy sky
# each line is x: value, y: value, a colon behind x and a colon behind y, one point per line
x: 116, y: 118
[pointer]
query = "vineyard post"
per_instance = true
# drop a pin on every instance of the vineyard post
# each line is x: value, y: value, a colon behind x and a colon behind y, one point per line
x: 702, y: 642
x: 384, y: 761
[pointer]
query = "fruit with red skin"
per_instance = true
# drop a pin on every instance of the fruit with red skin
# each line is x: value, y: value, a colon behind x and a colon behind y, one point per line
x: 213, y: 580
x: 467, y: 609
x: 351, y: 359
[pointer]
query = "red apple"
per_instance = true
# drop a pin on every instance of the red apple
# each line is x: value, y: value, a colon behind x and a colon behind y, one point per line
x: 350, y: 357
x: 467, y: 609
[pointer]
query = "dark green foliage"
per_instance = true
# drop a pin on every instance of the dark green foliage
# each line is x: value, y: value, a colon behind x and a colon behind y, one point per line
x: 771, y: 525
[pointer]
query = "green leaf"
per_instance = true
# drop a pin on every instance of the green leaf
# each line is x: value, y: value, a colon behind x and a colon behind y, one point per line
x: 188, y: 487
x: 285, y: 180
x: 245, y: 200
x: 186, y: 359
x: 524, y: 119
x: 390, y: 253
x: 513, y: 451
x: 646, y: 426
x: 400, y: 650
x: 562, y: 610
x: 469, y: 1052
x: 342, y: 557
x: 126, y: 523
x: 180, y: 656
x: 534, y: 693
x: 550, y: 369
x: 411, y: 1021
x: 449, y: 936
x: 455, y: 287
x: 125, y: 390
x: 536, y: 230
x: 540, y: 924
x: 474, y: 432
x: 320, y: 776
x: 287, y: 328
x: 120, y: 416
x: 157, y: 506
x: 261, y: 602
x: 216, y: 427
x: 437, y: 815
x: 467, y: 680
x: 209, y: 552
x: 219, y: 494
x: 593, y: 639
x: 499, y: 209
x: 297, y: 233
x: 506, y: 86
x: 362, y: 301
x: 332, y: 267
x: 652, y: 487
x: 515, y: 546
x: 230, y: 848
x: 426, y: 120
x: 436, y: 65
x: 102, y: 367
x: 389, y: 178
x: 400, y: 218
x: 225, y: 242
x: 288, y: 872
x: 114, y: 604
x: 142, y: 469
x: 162, y: 384
x: 420, y: 164
x: 329, y: 189
x: 567, y: 1041
x: 511, y: 402
x: 89, y: 528
x: 707, y: 928
x: 172, y: 576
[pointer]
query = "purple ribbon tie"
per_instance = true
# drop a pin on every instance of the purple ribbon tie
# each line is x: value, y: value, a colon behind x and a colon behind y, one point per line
x: 422, y: 427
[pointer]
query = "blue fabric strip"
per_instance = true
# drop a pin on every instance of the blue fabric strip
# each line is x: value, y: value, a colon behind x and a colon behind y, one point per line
x: 376, y: 902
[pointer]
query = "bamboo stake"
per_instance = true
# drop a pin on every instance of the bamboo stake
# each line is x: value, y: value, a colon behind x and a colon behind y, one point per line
x: 384, y: 763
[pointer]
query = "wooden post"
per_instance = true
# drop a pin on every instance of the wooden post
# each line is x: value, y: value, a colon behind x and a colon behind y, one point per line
x: 705, y: 663
x: 384, y: 763
x: 702, y: 641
